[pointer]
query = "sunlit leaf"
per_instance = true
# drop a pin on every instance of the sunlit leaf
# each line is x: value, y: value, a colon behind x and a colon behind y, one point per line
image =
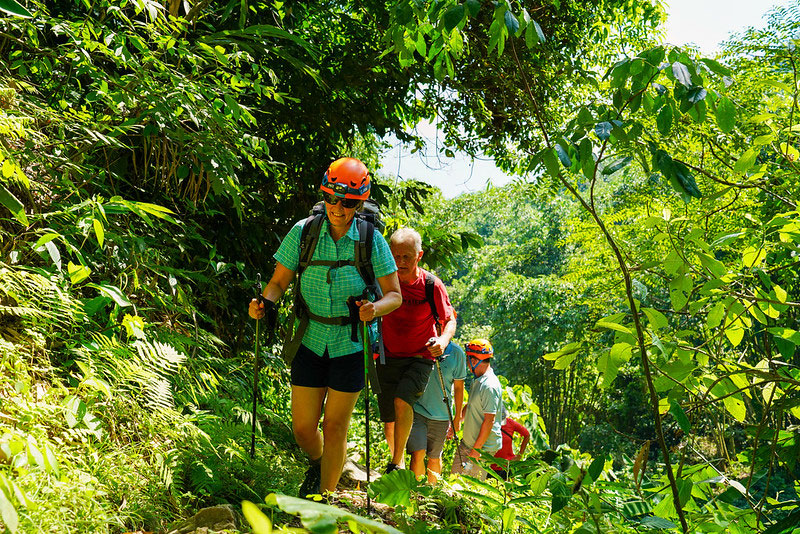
x: 319, y: 517
x: 726, y: 114
x: 16, y: 207
x: 735, y: 407
x: 753, y: 256
x: 745, y: 161
x: 8, y: 513
x: 77, y: 273
x: 681, y: 73
x: 12, y: 7
x: 113, y: 292
x: 257, y: 519
x: 99, y: 231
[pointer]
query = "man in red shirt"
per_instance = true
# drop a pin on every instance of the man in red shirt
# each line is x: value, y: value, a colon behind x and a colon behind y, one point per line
x: 506, y: 452
x: 412, y: 341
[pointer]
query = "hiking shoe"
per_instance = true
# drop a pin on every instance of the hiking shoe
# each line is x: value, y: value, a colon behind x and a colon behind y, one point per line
x: 391, y: 467
x: 311, y: 482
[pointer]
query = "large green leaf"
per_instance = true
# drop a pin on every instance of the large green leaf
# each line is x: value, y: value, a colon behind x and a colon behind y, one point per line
x: 682, y: 74
x: 512, y: 24
x: 395, y: 488
x: 321, y: 518
x: 659, y: 523
x: 745, y: 161
x: 716, y: 67
x: 617, y: 165
x: 679, y: 289
x: 8, y: 512
x: 563, y: 155
x: 726, y: 114
x: 603, y: 130
x: 656, y: 319
x: 565, y: 356
x: 680, y: 416
x: 473, y: 6
x: 610, y: 362
x: 12, y: 7
x: 112, y: 292
x: 560, y: 492
x: 453, y: 17
x: 260, y: 523
x: 736, y: 407
x: 596, y: 468
x: 16, y: 207
x: 686, y: 179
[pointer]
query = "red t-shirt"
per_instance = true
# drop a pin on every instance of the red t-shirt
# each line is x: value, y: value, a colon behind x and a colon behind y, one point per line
x: 507, y: 431
x: 408, y: 328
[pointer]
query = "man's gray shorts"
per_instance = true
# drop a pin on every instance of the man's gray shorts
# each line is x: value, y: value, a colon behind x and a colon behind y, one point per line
x: 428, y: 435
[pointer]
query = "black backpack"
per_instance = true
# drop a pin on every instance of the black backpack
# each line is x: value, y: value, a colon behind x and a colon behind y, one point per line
x: 366, y: 220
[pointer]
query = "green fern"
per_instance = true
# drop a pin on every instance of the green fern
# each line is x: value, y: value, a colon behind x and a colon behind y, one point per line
x: 33, y: 298
x: 143, y: 368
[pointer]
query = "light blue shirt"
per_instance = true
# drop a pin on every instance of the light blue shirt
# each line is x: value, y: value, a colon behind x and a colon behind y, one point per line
x: 454, y: 367
x: 326, y: 295
x: 485, y: 397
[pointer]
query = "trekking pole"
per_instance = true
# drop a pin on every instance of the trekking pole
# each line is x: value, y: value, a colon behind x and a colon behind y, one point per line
x: 367, y: 356
x: 446, y: 401
x: 257, y: 365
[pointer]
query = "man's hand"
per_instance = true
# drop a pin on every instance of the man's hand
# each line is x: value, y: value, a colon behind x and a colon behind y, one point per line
x: 451, y: 431
x: 436, y: 347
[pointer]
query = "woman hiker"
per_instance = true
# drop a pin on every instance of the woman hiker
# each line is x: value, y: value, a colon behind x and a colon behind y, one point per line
x: 327, y: 372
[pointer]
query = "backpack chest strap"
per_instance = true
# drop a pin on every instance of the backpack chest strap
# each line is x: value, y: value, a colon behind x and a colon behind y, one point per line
x: 338, y: 264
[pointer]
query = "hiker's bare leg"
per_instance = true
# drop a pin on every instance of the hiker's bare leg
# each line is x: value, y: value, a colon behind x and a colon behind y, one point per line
x: 338, y: 409
x: 403, y: 419
x: 434, y: 470
x: 306, y: 411
x: 388, y: 431
x: 418, y: 463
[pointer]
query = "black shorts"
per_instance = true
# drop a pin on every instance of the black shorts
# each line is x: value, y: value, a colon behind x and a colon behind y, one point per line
x: 344, y: 373
x: 403, y: 378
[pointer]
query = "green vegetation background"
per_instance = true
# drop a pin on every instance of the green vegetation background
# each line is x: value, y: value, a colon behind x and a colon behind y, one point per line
x: 639, y: 283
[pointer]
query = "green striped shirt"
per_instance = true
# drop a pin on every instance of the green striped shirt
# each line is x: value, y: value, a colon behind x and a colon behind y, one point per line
x: 327, y: 297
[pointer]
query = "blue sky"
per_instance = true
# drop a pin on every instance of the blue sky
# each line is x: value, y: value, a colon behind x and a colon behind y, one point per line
x: 704, y: 23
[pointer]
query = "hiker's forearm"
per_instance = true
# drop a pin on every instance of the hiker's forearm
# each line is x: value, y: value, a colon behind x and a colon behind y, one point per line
x: 483, y: 434
x: 392, y: 298
x: 448, y: 331
x: 458, y: 399
x: 279, y: 282
x: 524, y: 445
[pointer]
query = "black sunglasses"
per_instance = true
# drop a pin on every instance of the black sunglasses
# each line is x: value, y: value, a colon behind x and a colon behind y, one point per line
x: 332, y: 199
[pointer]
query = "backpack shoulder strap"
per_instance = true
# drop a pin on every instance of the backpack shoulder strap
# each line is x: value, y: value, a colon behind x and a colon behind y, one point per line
x: 309, y: 237
x: 363, y: 255
x: 430, y: 283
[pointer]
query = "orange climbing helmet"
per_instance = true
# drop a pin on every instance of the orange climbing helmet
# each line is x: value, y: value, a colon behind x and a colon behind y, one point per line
x: 347, y: 178
x: 479, y: 348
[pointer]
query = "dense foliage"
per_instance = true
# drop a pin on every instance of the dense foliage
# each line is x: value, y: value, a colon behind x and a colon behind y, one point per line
x: 639, y: 284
